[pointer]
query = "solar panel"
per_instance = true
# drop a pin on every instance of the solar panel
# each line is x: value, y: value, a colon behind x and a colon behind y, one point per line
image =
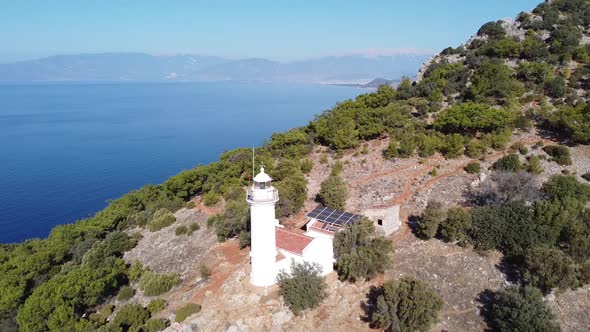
x: 332, y: 217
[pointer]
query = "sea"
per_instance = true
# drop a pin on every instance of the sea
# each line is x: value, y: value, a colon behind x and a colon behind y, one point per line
x: 67, y: 149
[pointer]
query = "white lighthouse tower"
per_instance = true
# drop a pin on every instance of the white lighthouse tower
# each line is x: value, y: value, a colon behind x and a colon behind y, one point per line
x: 262, y: 197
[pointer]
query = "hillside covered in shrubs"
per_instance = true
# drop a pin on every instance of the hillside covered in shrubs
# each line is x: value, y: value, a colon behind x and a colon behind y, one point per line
x: 468, y: 100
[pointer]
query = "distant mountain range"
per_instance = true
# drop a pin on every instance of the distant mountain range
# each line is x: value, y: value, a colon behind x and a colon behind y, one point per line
x: 351, y: 69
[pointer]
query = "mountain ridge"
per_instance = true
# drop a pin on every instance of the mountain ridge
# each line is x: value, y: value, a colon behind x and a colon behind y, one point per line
x: 145, y: 67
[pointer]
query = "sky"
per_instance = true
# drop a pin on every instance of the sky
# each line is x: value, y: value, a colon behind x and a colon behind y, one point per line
x: 273, y: 29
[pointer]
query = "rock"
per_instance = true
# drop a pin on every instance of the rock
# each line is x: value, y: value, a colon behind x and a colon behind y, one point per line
x: 280, y: 318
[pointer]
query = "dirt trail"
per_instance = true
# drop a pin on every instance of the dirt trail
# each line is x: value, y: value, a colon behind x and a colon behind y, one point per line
x: 232, y: 258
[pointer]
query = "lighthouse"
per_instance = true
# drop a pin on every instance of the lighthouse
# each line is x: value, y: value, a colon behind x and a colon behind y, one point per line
x: 262, y: 197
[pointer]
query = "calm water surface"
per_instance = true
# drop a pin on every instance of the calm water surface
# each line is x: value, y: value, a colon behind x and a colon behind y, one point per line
x: 65, y: 149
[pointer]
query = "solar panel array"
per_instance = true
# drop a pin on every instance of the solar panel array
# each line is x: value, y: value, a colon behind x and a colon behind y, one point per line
x: 333, y: 219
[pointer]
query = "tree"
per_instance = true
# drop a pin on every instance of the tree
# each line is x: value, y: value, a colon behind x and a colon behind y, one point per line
x: 131, y: 317
x: 405, y: 306
x: 293, y: 192
x: 496, y: 81
x: 492, y: 30
x: 303, y: 288
x: 235, y: 220
x: 549, y: 268
x: 509, y: 163
x: 360, y: 254
x: 431, y: 218
x: 337, y: 129
x: 555, y: 87
x: 507, y: 187
x: 333, y: 193
x: 473, y: 117
x: 520, y: 309
x: 452, y: 146
x: 455, y: 227
x: 564, y: 188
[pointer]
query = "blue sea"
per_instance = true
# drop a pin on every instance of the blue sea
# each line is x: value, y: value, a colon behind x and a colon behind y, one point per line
x: 66, y: 149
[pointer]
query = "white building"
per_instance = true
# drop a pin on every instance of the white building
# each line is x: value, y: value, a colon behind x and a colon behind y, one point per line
x: 274, y: 248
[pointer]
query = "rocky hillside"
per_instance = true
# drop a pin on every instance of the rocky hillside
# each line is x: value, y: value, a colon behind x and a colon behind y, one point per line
x: 483, y: 130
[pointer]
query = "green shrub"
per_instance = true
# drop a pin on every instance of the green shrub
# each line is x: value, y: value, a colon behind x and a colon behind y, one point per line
x: 566, y: 188
x: 473, y: 118
x: 293, y: 193
x: 153, y: 284
x: 193, y: 227
x: 154, y: 325
x: 556, y: 87
x: 186, y: 311
x: 181, y: 230
x: 333, y: 193
x: 500, y: 139
x: 125, y: 293
x: 520, y: 147
x: 476, y: 148
x: 233, y: 221
x: 534, y: 165
x: 131, y: 317
x: 337, y: 168
x: 452, y: 146
x: 521, y: 309
x: 433, y: 215
x: 455, y: 227
x: 360, y: 254
x: 473, y: 168
x: 101, y: 316
x: 135, y: 271
x: 212, y: 220
x: 306, y: 166
x: 190, y: 205
x: 244, y: 239
x: 509, y: 163
x: 204, y: 272
x: 324, y: 159
x: 162, y: 218
x: 304, y: 288
x: 549, y: 268
x: 392, y: 150
x: 407, y: 305
x: 559, y: 153
x: 156, y: 306
x: 365, y: 149
x: 211, y: 198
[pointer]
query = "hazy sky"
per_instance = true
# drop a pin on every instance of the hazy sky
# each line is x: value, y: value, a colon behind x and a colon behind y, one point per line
x: 273, y: 29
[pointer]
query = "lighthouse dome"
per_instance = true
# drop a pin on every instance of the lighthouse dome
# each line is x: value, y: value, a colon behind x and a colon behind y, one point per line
x: 262, y: 177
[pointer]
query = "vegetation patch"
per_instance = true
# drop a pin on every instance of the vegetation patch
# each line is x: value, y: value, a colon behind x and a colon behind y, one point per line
x: 407, y: 305
x: 333, y: 193
x: 520, y: 309
x: 185, y: 311
x: 559, y: 153
x: 153, y: 284
x: 303, y: 288
x: 360, y: 254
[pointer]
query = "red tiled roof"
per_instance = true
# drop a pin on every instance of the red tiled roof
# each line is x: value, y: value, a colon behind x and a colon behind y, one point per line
x: 291, y: 241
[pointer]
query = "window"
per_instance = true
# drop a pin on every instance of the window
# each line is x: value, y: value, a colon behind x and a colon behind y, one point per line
x: 380, y: 222
x: 262, y: 185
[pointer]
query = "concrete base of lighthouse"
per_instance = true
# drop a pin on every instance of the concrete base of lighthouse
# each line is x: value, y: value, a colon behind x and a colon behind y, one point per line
x: 263, y: 271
